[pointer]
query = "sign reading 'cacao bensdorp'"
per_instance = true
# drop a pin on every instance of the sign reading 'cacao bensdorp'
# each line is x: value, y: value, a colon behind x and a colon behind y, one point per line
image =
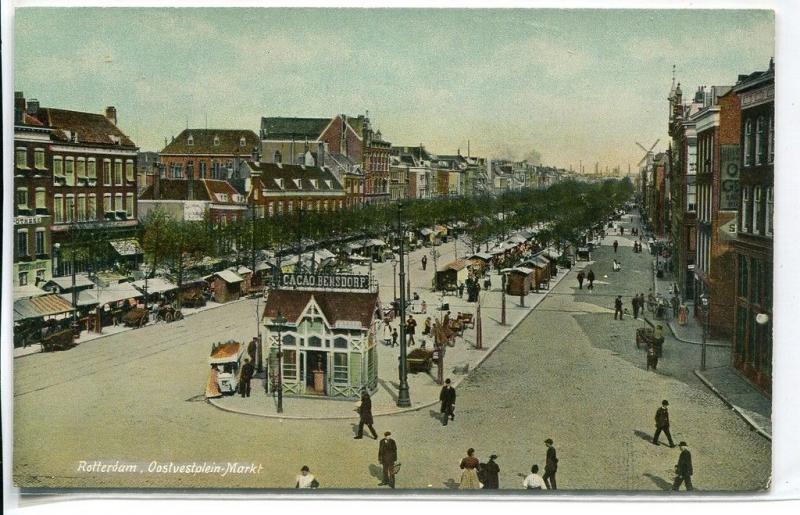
x: 325, y: 282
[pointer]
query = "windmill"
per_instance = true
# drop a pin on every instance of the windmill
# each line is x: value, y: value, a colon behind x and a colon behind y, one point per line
x: 647, y: 153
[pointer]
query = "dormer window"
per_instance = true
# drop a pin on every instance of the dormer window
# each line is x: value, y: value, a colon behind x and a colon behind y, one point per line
x: 216, y: 140
x: 190, y: 140
x: 329, y: 184
x: 114, y: 139
x: 279, y: 182
x: 242, y: 141
x: 297, y: 184
x: 315, y: 184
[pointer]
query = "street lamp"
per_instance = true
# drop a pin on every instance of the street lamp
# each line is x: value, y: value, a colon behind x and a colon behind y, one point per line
x: 279, y: 321
x: 394, y: 279
x: 403, y: 397
x: 704, y: 301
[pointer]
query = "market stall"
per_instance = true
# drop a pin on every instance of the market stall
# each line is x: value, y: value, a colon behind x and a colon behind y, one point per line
x: 226, y: 285
x: 520, y: 280
x: 449, y: 276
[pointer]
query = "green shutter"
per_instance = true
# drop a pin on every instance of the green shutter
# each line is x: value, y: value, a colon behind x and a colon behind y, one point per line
x: 355, y: 369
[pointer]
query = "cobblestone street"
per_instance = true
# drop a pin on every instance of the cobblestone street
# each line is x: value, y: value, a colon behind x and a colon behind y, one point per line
x: 568, y: 371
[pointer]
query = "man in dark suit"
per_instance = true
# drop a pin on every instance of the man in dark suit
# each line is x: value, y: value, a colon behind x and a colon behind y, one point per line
x: 662, y: 423
x: 550, y: 465
x: 618, y: 307
x: 387, y: 456
x: 448, y: 399
x: 683, y: 470
x: 590, y: 278
x: 365, y: 416
x: 491, y: 474
x: 244, y: 378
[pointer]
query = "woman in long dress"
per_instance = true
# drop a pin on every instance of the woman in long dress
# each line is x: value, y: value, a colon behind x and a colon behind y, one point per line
x: 212, y: 386
x: 469, y: 478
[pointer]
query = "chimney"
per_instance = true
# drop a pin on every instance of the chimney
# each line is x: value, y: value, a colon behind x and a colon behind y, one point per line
x: 111, y: 114
x: 19, y: 106
x: 33, y: 107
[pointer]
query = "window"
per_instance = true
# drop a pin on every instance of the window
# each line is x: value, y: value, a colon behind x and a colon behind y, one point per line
x: 107, y: 202
x: 58, y: 166
x: 276, y: 157
x: 118, y: 172
x: 81, y: 168
x: 129, y: 171
x: 748, y: 147
x: 23, y: 278
x: 58, y: 208
x: 107, y: 172
x: 22, y: 198
x: 22, y: 243
x: 190, y: 140
x: 69, y: 171
x: 745, y: 221
x: 22, y: 157
x: 92, y: 169
x: 757, y: 210
x: 189, y: 169
x: 290, y: 365
x: 340, y: 367
x: 82, y: 207
x: 761, y: 141
x: 38, y: 158
x: 129, y: 205
x: 91, y: 207
x: 202, y: 169
x: 770, y: 211
x: 742, y: 289
x: 771, y: 140
x: 280, y: 208
x: 216, y: 141
x: 41, y: 199
x: 242, y: 141
x: 69, y: 210
x: 289, y: 206
x: 118, y: 203
x: 39, y: 243
x: 39, y: 276
x: 691, y: 197
x: 340, y: 342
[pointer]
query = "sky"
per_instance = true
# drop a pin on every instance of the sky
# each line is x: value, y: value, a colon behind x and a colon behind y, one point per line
x: 573, y: 85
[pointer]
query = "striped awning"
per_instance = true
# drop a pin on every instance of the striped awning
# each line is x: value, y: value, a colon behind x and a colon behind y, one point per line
x: 37, y: 307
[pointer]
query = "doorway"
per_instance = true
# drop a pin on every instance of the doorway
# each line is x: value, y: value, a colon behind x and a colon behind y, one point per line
x: 316, y: 372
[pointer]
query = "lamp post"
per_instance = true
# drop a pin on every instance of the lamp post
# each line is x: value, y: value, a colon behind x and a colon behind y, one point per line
x: 503, y: 299
x: 403, y: 397
x: 394, y: 280
x: 704, y: 301
x: 279, y: 321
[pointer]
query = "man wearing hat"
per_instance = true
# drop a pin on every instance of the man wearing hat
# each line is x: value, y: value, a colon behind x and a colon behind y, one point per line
x: 683, y: 470
x: 550, y: 465
x: 489, y: 474
x: 365, y: 416
x: 662, y: 423
x: 448, y: 399
x: 387, y: 456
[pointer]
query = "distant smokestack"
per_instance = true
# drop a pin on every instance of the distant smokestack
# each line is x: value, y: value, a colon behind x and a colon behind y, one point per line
x: 111, y: 114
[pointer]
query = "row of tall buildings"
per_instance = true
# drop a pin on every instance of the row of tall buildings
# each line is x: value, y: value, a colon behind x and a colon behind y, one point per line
x: 711, y: 195
x: 76, y: 169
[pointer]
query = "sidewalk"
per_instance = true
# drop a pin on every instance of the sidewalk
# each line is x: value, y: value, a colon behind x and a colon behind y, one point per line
x: 460, y: 360
x: 750, y: 404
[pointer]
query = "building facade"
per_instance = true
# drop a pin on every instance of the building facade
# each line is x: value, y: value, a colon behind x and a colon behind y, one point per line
x: 194, y: 200
x: 206, y: 153
x: 753, y: 247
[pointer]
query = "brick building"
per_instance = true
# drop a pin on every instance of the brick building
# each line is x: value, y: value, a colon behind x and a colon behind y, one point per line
x: 753, y: 247
x: 72, y: 169
x: 194, y: 200
x: 717, y: 200
x: 206, y: 153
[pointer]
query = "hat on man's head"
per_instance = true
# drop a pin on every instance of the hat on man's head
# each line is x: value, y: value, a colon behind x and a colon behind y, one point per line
x: 387, y: 433
x: 549, y: 441
x: 664, y: 402
x: 681, y: 444
x: 493, y: 456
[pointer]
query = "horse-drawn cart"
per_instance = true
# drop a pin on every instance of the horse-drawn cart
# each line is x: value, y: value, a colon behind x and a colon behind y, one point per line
x: 420, y: 360
x: 650, y: 338
x: 136, y: 317
x: 61, y: 340
x: 169, y: 314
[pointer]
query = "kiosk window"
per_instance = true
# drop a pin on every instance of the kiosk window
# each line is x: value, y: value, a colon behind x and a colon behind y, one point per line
x: 314, y: 341
x: 288, y: 339
x: 340, y: 343
x: 290, y: 365
x: 340, y: 367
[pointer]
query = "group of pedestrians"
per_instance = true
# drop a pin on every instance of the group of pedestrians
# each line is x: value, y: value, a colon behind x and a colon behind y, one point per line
x: 486, y: 476
x: 588, y: 277
x: 683, y: 469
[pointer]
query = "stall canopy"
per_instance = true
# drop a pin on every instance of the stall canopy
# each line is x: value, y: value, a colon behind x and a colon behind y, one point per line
x: 64, y: 283
x: 155, y: 285
x: 228, y: 276
x: 243, y: 270
x: 38, y: 307
x: 29, y: 290
x: 126, y: 246
x: 102, y: 296
x: 483, y: 256
x: 264, y: 265
x: 551, y: 253
x: 516, y: 239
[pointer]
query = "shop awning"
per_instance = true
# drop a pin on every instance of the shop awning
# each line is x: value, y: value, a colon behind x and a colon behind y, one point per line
x: 27, y: 291
x: 126, y: 246
x: 102, y: 296
x: 37, y: 307
x: 154, y: 285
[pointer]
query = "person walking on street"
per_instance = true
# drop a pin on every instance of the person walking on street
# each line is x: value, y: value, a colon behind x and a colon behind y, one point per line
x: 245, y: 377
x: 424, y: 262
x: 616, y: 244
x: 590, y: 278
x: 662, y: 423
x: 469, y: 478
x: 534, y: 481
x: 387, y: 456
x: 411, y: 326
x: 550, y: 466
x: 635, y: 304
x: 676, y: 304
x: 652, y: 357
x: 491, y: 474
x: 641, y: 304
x: 618, y: 307
x: 581, y: 276
x: 683, y: 470
x: 448, y: 399
x: 460, y: 290
x: 365, y: 416
x: 305, y: 479
x: 394, y: 337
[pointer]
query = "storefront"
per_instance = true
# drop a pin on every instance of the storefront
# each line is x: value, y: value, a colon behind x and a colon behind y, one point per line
x: 327, y: 341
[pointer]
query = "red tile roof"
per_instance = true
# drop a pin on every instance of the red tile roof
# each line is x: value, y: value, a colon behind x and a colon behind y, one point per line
x: 89, y: 127
x: 353, y: 306
x: 204, y: 189
x: 228, y: 142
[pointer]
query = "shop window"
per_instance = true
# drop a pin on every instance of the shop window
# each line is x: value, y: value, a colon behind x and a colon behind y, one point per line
x: 340, y: 343
x: 23, y: 278
x: 288, y: 339
x: 314, y: 341
x: 340, y: 367
x: 290, y: 365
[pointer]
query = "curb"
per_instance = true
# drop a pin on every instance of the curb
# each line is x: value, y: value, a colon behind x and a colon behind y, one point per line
x: 692, y: 342
x: 400, y: 410
x: 750, y: 422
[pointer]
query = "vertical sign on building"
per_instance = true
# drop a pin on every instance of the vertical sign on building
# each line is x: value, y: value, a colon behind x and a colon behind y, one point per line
x: 729, y: 178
